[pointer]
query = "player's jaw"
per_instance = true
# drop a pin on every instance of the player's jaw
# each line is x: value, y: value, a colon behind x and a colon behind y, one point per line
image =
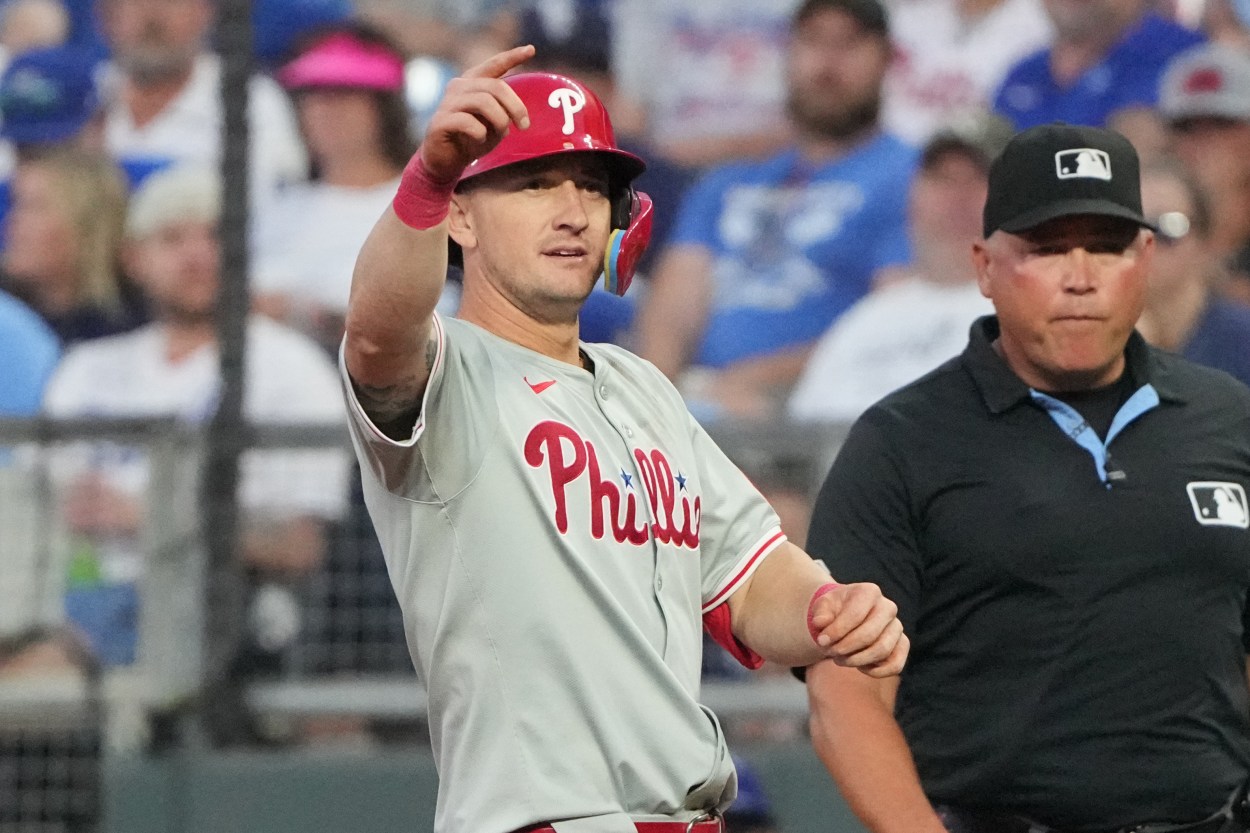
x: 547, y: 281
x: 563, y: 278
x: 563, y: 266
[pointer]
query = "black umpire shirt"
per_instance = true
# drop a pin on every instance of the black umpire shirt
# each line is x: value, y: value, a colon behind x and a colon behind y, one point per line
x: 1077, y: 610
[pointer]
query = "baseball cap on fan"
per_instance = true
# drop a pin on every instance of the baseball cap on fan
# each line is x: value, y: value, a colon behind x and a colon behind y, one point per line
x: 1060, y: 170
x: 980, y: 136
x: 344, y: 60
x: 47, y: 95
x: 1208, y: 81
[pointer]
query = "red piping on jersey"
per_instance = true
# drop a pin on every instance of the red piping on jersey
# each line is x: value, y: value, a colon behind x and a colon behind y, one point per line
x: 759, y: 553
x: 419, y: 428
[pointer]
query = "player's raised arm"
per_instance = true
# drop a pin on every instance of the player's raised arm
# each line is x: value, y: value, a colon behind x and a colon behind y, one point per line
x: 401, y: 267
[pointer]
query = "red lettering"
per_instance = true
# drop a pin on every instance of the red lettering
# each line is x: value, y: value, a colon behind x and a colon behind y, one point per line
x: 629, y: 530
x: 658, y: 476
x: 601, y: 490
x: 547, y: 440
x: 567, y: 456
x: 648, y: 479
x: 662, y: 529
x: 693, y: 518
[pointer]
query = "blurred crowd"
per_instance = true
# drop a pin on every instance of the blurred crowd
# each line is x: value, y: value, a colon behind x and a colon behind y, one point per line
x: 818, y: 170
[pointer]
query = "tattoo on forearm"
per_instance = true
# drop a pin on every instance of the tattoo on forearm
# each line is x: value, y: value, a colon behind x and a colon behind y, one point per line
x: 394, y: 408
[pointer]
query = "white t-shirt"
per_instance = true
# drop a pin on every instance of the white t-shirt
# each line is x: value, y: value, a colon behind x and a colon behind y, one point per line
x: 189, y: 129
x: 289, y: 379
x: 890, y: 338
x: 946, y: 67
x: 308, y: 239
x: 703, y: 68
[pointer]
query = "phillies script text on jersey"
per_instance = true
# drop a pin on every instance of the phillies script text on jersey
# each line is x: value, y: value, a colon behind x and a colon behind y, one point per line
x: 567, y: 456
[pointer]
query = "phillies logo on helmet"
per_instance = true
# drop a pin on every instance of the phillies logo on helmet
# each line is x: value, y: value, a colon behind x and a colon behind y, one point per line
x: 569, y: 100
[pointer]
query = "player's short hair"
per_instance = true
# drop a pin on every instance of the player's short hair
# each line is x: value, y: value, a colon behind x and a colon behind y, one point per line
x: 180, y: 194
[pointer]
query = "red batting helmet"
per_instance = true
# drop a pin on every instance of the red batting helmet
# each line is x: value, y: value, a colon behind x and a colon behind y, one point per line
x: 566, y: 117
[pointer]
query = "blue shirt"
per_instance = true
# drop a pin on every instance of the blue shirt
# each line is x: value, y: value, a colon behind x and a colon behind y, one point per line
x: 28, y: 354
x: 794, y: 245
x: 1128, y: 76
x: 1221, y: 339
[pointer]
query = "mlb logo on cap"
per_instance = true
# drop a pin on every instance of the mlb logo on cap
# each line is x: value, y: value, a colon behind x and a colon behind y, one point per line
x: 1083, y: 163
x: 1219, y: 504
x: 1061, y: 170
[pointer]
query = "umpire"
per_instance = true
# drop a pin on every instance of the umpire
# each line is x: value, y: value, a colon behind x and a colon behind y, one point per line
x: 1060, y: 513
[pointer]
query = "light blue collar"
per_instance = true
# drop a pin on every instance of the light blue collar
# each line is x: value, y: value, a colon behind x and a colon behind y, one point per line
x: 1074, y: 425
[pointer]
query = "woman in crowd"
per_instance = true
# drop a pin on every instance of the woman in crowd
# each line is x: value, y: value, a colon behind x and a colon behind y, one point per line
x: 348, y: 85
x: 63, y: 243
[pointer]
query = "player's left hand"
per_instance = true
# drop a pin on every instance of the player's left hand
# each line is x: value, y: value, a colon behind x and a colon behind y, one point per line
x: 858, y: 627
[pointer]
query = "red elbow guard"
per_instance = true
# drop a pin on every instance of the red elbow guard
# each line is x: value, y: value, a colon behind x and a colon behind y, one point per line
x: 719, y: 626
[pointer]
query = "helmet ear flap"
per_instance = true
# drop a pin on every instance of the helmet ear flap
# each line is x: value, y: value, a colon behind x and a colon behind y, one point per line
x: 628, y: 241
x: 623, y: 202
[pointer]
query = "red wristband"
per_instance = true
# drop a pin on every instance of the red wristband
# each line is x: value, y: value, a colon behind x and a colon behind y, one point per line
x: 422, y: 201
x: 811, y: 607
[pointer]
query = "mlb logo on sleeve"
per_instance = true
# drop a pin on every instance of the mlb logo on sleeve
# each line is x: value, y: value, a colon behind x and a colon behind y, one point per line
x: 1083, y: 163
x: 1219, y: 504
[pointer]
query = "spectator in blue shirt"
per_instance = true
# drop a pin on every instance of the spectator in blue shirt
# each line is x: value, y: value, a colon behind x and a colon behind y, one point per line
x: 28, y: 354
x: 1183, y: 311
x: 1107, y: 56
x: 765, y: 255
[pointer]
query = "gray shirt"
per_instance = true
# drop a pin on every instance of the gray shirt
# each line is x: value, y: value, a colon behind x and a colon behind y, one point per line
x: 553, y: 536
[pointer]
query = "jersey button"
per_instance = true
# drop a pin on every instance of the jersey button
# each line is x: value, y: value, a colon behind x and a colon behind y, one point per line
x: 629, y: 432
x: 603, y: 391
x: 659, y: 583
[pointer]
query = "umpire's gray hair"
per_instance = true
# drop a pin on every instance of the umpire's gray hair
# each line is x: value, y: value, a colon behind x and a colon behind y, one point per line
x: 175, y: 195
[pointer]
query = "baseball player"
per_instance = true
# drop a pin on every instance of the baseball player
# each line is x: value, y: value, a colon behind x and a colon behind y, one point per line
x: 556, y: 526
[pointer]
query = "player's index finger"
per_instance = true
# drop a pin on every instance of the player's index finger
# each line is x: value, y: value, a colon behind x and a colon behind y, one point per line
x: 497, y: 65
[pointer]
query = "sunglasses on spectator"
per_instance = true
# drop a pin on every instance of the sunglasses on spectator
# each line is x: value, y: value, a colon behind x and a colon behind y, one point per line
x: 1172, y: 227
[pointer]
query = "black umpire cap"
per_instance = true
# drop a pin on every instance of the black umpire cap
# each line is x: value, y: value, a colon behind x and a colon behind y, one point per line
x: 1057, y: 170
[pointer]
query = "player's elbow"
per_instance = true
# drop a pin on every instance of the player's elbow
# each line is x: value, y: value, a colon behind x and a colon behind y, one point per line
x: 378, y: 357
x: 364, y: 356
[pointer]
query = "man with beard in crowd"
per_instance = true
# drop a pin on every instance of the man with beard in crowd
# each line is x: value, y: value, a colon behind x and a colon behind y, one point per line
x: 765, y: 255
x: 165, y: 104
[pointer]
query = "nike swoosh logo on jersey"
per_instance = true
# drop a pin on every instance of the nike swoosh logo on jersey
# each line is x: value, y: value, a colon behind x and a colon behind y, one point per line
x: 539, y: 387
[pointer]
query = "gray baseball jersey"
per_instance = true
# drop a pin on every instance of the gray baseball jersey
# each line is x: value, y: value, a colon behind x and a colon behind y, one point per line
x: 553, y: 537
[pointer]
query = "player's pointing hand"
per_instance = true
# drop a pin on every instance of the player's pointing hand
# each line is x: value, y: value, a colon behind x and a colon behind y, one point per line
x: 859, y: 627
x: 476, y: 111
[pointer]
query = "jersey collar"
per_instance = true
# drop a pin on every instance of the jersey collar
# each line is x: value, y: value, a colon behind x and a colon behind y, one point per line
x: 1002, y: 389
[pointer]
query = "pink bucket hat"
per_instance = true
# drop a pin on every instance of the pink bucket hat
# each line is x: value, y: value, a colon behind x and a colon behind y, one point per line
x: 344, y: 60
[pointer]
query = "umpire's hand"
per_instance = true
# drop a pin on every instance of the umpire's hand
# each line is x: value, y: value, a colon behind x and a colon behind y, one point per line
x: 859, y: 627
